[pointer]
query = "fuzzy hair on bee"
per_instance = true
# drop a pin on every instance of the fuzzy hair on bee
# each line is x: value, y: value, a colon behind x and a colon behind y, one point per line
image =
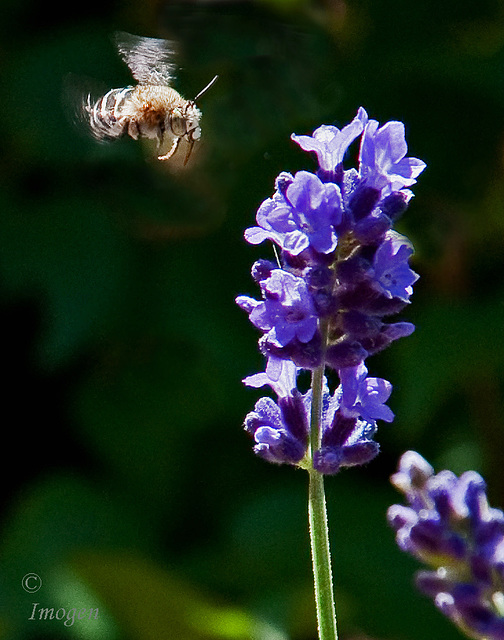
x: 152, y: 108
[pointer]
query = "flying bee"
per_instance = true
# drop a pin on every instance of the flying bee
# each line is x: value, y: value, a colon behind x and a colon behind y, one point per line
x: 152, y: 108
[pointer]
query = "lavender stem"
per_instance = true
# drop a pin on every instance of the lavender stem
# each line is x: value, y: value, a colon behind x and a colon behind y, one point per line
x: 317, y: 515
x: 321, y: 558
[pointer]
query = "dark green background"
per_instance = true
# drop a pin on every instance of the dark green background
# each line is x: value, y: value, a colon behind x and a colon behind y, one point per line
x: 127, y: 481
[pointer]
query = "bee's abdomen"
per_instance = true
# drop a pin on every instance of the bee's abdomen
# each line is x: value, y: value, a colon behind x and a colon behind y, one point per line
x: 106, y: 117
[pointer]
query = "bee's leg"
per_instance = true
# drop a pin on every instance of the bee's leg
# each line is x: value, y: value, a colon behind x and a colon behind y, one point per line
x: 191, y: 145
x: 160, y: 135
x: 174, y: 147
x: 133, y: 129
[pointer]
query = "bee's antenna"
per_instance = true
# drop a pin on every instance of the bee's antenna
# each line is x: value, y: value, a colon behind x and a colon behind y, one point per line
x: 205, y: 89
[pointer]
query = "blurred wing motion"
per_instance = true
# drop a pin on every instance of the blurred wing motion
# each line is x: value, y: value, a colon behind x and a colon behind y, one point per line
x: 149, y: 59
x: 79, y: 93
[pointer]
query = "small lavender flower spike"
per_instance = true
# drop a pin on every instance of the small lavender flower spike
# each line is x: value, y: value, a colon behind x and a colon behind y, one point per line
x: 450, y: 527
x: 341, y: 272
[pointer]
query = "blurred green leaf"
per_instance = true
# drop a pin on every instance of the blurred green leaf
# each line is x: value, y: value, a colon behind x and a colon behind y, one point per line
x: 49, y: 522
x: 152, y: 604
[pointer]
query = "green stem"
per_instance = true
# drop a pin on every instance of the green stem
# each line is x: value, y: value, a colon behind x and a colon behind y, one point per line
x: 321, y: 558
x: 319, y: 531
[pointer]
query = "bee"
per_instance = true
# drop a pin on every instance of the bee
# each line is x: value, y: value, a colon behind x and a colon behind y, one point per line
x: 152, y: 108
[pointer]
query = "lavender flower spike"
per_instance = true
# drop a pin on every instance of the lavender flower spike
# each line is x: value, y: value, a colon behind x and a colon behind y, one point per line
x: 341, y: 272
x: 449, y: 526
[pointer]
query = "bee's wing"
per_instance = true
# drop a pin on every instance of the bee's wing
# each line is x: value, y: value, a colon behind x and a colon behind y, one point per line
x: 149, y: 59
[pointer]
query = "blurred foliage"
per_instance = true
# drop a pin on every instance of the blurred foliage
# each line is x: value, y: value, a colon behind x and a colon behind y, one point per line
x: 132, y: 486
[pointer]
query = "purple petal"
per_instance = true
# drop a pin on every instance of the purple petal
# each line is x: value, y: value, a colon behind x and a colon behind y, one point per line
x: 329, y: 143
x: 296, y: 242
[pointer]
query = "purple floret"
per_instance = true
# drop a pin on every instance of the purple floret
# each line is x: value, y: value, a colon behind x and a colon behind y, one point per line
x: 392, y: 274
x: 304, y: 214
x: 383, y: 164
x: 364, y: 397
x: 330, y: 143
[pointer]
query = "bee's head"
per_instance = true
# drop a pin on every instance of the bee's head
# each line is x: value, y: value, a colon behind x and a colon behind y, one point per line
x: 192, y: 118
x: 184, y: 122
